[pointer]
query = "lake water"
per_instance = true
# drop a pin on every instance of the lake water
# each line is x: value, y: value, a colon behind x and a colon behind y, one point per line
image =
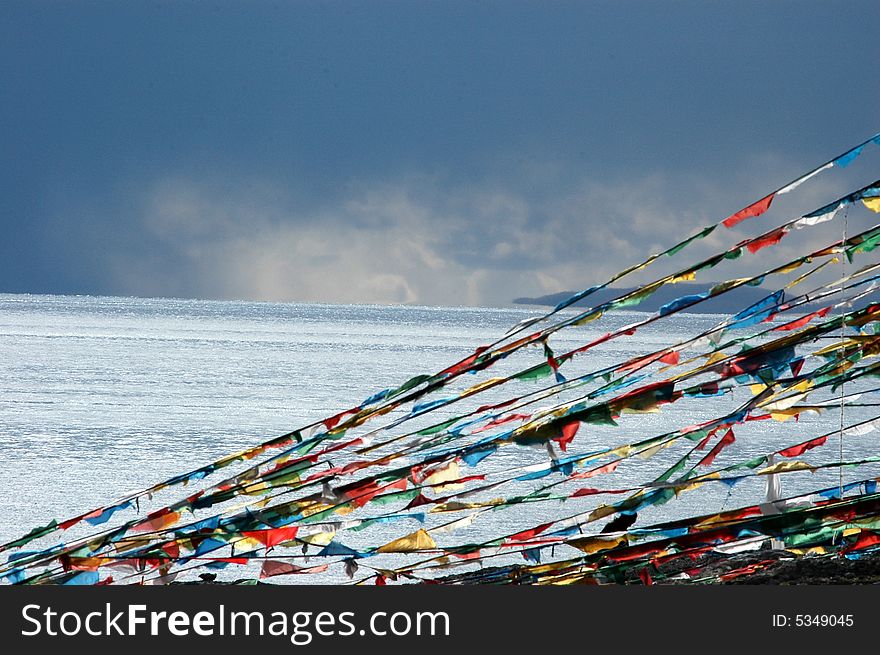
x: 101, y: 396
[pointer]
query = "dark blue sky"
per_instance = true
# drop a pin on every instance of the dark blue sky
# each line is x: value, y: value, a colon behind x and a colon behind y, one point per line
x: 430, y: 152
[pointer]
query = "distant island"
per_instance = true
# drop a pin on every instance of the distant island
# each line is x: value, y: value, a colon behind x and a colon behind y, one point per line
x: 729, y: 303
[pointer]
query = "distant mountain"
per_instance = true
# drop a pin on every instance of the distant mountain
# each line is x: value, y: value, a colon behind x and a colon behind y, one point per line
x: 729, y: 303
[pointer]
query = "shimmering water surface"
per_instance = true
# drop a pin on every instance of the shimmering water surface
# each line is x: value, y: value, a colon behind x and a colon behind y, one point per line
x: 101, y: 396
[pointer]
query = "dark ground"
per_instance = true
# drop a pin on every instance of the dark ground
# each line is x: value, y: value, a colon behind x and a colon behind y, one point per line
x: 773, y: 567
x: 816, y: 570
x: 761, y: 567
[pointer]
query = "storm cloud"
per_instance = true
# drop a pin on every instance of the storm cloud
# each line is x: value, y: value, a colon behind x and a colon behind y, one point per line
x: 431, y: 153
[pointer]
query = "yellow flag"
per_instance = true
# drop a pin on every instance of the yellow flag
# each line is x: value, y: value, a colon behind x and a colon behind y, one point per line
x: 601, y: 512
x: 621, y: 451
x: 319, y: 538
x: 449, y: 472
x: 457, y: 505
x: 783, y: 467
x: 790, y: 267
x: 847, y: 343
x: 256, y: 489
x: 653, y: 450
x: 712, y: 520
x: 684, y: 277
x: 697, y: 482
x: 248, y: 542
x: 591, y: 545
x: 872, y: 203
x: 814, y: 550
x: 757, y: 388
x: 419, y: 540
x: 479, y: 387
x: 90, y: 563
x: 784, y: 403
x: 782, y: 415
x: 313, y: 508
x: 589, y: 318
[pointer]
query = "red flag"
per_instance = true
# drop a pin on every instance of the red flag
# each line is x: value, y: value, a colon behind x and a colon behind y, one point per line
x: 273, y: 536
x: 419, y: 500
x: 865, y: 540
x: 589, y: 491
x: 800, y: 322
x: 503, y: 420
x: 725, y: 441
x: 463, y: 365
x: 525, y: 535
x: 770, y: 240
x: 746, y: 570
x: 485, y: 408
x: 705, y: 440
x: 568, y: 432
x: 333, y: 421
x: 755, y: 209
x: 608, y: 468
x: 172, y: 548
x: 638, y: 363
x: 605, y: 337
x: 70, y: 523
x: 709, y: 389
x: 585, y: 491
x: 670, y: 358
x: 745, y: 512
x: 363, y: 493
x: 800, y: 449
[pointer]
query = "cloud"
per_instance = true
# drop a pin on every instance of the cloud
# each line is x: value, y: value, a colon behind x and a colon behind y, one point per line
x: 422, y: 240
